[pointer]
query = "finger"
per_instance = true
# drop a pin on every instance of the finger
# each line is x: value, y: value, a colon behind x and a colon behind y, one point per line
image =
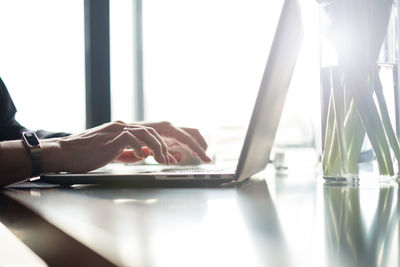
x: 118, y: 126
x: 108, y: 127
x: 146, y: 151
x: 128, y: 156
x: 150, y: 132
x: 186, y: 139
x: 115, y: 126
x: 127, y: 139
x: 152, y: 142
x: 164, y: 146
x: 172, y: 159
x: 167, y: 130
x: 178, y: 156
x: 195, y: 133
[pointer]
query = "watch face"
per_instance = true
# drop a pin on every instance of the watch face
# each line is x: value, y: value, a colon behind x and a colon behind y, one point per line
x: 31, y: 139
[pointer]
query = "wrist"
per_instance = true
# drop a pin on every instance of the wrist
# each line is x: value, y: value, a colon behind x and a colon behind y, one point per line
x: 51, y: 156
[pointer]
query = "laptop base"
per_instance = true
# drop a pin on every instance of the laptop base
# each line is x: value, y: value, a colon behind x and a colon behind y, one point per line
x: 135, y: 180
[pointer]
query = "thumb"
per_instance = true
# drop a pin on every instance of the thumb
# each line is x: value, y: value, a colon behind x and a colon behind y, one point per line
x: 128, y: 155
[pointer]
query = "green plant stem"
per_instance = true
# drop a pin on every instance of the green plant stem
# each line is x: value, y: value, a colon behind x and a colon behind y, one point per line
x: 386, y: 119
x: 340, y: 114
x: 330, y: 157
x: 370, y: 118
x: 355, y: 137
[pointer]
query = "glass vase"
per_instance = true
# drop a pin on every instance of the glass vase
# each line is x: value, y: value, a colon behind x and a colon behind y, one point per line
x: 359, y: 89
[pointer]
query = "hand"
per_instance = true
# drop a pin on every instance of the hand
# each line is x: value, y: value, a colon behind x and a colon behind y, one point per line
x: 96, y: 147
x: 177, y: 139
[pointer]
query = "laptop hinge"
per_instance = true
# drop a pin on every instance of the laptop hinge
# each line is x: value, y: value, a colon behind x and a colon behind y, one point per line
x: 238, y: 183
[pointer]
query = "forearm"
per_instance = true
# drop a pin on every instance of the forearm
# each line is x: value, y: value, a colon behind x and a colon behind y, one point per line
x: 16, y: 164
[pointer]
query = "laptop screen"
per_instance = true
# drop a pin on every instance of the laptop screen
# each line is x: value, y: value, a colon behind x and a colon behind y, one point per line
x: 272, y: 93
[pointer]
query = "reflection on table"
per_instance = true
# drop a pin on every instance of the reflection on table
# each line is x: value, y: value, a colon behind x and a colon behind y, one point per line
x: 287, y: 220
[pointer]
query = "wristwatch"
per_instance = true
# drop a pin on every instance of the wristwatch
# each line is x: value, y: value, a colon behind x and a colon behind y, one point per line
x: 34, y: 148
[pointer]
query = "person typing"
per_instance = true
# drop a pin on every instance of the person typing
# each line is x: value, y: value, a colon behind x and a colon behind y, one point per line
x: 25, y: 154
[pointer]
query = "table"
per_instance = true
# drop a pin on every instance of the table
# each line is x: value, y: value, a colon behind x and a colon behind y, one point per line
x: 289, y: 219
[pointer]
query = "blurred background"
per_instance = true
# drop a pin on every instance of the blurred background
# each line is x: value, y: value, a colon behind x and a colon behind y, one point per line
x: 201, y: 64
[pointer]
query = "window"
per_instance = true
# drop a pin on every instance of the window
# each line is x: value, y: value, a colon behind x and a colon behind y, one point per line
x: 42, y: 62
x: 122, y: 57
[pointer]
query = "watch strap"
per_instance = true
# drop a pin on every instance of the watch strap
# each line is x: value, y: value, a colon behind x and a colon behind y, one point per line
x: 36, y: 167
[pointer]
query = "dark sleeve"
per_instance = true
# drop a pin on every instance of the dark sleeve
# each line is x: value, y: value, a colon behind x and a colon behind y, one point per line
x: 10, y: 129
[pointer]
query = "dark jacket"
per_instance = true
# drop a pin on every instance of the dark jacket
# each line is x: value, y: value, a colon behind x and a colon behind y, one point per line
x: 10, y: 129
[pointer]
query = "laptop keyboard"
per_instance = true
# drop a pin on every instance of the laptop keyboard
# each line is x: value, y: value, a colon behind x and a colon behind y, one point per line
x: 192, y: 170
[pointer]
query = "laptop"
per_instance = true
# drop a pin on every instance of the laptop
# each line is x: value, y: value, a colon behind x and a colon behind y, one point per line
x: 260, y: 134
